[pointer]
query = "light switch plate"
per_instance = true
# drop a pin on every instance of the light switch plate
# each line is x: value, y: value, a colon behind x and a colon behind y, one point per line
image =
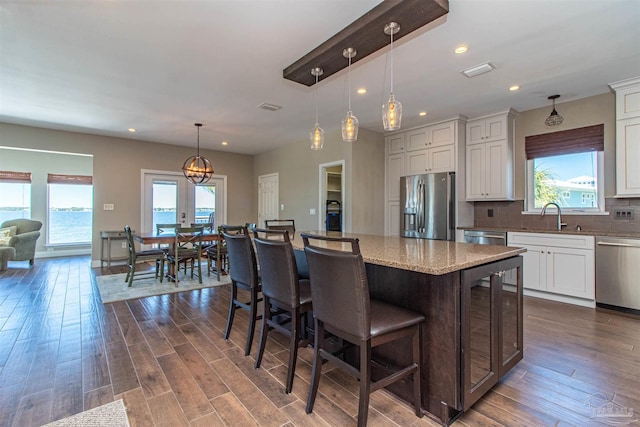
x: 281, y: 206
x: 108, y: 206
x: 312, y: 211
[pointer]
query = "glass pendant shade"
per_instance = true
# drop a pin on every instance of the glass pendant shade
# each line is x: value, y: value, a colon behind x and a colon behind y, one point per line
x: 197, y: 169
x: 554, y: 118
x: 350, y: 122
x: 317, y: 137
x: 392, y: 114
x: 392, y: 110
x: 350, y: 128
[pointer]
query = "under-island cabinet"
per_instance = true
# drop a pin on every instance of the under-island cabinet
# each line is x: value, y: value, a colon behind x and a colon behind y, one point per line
x: 472, y: 334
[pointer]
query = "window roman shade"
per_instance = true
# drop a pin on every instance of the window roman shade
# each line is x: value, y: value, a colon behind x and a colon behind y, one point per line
x: 69, y: 179
x: 15, y: 177
x: 580, y: 140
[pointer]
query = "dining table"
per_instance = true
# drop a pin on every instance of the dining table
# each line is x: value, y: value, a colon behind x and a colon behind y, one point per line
x: 169, y: 238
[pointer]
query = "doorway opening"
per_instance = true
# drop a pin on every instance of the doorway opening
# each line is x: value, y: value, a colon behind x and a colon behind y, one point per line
x: 331, y: 207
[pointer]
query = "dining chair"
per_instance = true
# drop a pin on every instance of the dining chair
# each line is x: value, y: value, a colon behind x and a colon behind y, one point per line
x: 217, y: 256
x: 164, y: 229
x: 186, y: 250
x: 156, y: 255
x: 243, y: 269
x: 284, y: 292
x: 281, y: 224
x: 342, y: 306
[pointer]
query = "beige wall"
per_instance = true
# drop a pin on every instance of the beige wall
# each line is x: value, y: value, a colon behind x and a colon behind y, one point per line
x: 580, y: 113
x: 116, y: 172
x: 367, y: 183
x: 298, y: 169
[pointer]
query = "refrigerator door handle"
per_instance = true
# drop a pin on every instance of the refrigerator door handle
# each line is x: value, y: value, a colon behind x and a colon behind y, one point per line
x: 420, y: 207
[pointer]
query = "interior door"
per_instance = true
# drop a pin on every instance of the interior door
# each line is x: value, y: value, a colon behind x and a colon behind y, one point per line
x: 268, y: 198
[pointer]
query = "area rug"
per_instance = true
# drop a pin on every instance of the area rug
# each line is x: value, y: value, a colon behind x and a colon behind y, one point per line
x: 113, y: 287
x: 112, y: 414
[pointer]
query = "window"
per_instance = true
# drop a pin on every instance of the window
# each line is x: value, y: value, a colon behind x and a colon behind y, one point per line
x: 206, y: 203
x: 566, y: 168
x: 15, y: 202
x: 70, y: 213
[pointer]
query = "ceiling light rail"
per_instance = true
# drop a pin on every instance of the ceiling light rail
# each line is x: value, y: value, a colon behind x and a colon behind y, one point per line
x: 365, y: 34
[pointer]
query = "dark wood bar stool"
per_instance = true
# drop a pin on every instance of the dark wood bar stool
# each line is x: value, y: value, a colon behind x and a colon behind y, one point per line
x: 281, y: 224
x: 282, y: 292
x: 342, y: 307
x: 243, y: 269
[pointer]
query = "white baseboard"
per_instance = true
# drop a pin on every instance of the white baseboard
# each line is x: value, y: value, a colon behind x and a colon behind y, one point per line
x: 560, y: 298
x: 95, y: 263
x: 63, y: 252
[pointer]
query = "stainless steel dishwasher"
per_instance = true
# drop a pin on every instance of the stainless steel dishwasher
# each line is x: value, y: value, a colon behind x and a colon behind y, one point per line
x: 618, y: 273
x: 483, y: 237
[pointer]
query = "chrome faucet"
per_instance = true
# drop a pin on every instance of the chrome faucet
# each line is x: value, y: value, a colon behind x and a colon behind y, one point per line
x: 560, y: 223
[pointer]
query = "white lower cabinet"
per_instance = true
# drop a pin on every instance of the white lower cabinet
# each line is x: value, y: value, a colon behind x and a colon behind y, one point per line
x: 559, y: 264
x: 393, y: 218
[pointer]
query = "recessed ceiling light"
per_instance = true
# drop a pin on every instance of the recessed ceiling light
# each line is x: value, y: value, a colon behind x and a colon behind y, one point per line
x: 423, y: 113
x: 132, y: 130
x: 461, y: 49
x: 225, y: 143
x: 514, y: 88
x: 362, y: 90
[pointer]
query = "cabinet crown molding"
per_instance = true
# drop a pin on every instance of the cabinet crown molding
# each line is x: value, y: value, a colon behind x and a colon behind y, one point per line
x: 508, y: 111
x: 459, y: 117
x: 624, y: 83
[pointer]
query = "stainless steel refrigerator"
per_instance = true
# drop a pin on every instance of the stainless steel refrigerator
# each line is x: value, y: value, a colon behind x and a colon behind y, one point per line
x: 427, y: 204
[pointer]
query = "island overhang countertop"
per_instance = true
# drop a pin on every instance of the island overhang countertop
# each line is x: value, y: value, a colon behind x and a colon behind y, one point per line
x: 434, y: 257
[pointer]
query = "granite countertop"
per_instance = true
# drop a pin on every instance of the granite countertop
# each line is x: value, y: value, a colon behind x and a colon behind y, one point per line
x: 434, y: 257
x: 564, y: 231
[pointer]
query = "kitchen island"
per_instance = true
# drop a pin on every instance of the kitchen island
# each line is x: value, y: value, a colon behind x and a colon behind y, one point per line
x: 471, y: 297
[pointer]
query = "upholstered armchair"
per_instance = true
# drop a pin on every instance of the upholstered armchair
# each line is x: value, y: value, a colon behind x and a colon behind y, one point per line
x: 24, y: 240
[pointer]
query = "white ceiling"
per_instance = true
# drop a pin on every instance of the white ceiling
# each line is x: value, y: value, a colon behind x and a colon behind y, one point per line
x: 103, y: 66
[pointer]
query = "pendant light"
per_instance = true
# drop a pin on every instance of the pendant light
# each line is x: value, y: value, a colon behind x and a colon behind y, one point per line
x: 350, y: 122
x: 392, y: 111
x: 554, y: 118
x: 317, y: 133
x: 197, y: 169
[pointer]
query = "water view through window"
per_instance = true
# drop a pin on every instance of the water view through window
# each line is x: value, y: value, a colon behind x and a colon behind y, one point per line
x: 15, y: 202
x: 165, y: 202
x: 570, y: 180
x: 70, y: 214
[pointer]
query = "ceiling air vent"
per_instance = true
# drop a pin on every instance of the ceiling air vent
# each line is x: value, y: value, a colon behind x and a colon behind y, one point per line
x: 478, y: 69
x: 269, y: 107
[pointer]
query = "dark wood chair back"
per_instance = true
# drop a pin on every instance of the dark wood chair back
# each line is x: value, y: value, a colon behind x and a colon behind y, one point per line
x: 281, y: 224
x: 339, y: 287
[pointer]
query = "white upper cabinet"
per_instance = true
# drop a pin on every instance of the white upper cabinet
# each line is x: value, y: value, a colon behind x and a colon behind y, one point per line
x: 395, y: 144
x: 492, y: 128
x: 627, y: 137
x: 430, y: 136
x: 489, y: 157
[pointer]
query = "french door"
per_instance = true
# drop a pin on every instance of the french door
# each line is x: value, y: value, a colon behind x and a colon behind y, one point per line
x: 168, y: 198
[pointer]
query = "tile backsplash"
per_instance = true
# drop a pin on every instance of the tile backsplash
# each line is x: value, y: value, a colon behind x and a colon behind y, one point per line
x: 509, y: 215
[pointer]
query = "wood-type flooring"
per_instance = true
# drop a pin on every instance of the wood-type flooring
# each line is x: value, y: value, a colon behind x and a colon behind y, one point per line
x: 62, y: 351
